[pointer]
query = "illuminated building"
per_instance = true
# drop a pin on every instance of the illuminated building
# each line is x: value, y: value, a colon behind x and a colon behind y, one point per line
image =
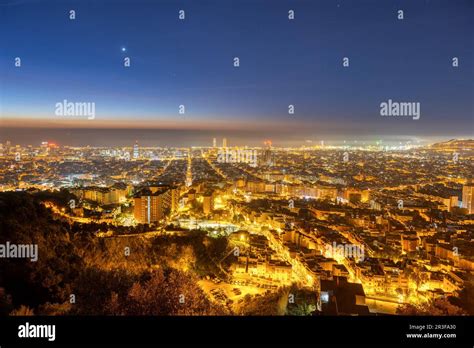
x: 208, y: 203
x: 44, y: 147
x: 135, y: 150
x: 224, y: 142
x: 214, y: 142
x: 154, y: 203
x: 468, y: 196
x: 255, y: 186
x: 409, y: 243
x: 327, y: 192
x: 8, y: 144
x: 267, y: 157
x: 271, y: 270
x: 105, y: 195
x: 189, y: 174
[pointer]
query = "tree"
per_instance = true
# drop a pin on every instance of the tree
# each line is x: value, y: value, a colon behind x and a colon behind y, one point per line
x: 273, y: 303
x: 94, y: 287
x: 166, y: 292
x: 5, y: 303
x: 22, y: 311
x: 435, y: 307
x: 54, y: 309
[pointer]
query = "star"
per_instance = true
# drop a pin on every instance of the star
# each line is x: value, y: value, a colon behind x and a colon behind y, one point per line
x: 123, y: 49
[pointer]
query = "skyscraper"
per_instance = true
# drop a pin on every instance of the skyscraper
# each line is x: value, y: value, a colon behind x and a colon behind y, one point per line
x: 214, y: 142
x: 468, y: 196
x: 135, y: 150
x: 267, y: 154
x: 224, y: 142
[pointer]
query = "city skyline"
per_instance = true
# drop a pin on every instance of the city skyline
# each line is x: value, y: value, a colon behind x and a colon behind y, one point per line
x: 176, y: 138
x: 379, y: 232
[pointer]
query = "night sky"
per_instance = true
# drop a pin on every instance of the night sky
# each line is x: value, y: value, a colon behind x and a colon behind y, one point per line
x: 190, y: 62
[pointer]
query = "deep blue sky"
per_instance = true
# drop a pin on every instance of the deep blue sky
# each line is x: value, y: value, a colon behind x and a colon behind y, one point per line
x: 283, y: 62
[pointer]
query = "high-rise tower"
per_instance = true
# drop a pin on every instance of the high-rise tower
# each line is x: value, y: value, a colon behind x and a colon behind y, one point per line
x: 468, y: 196
x: 135, y: 150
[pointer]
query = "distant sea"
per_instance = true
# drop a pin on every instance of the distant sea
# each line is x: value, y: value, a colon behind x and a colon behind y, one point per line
x: 187, y: 138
